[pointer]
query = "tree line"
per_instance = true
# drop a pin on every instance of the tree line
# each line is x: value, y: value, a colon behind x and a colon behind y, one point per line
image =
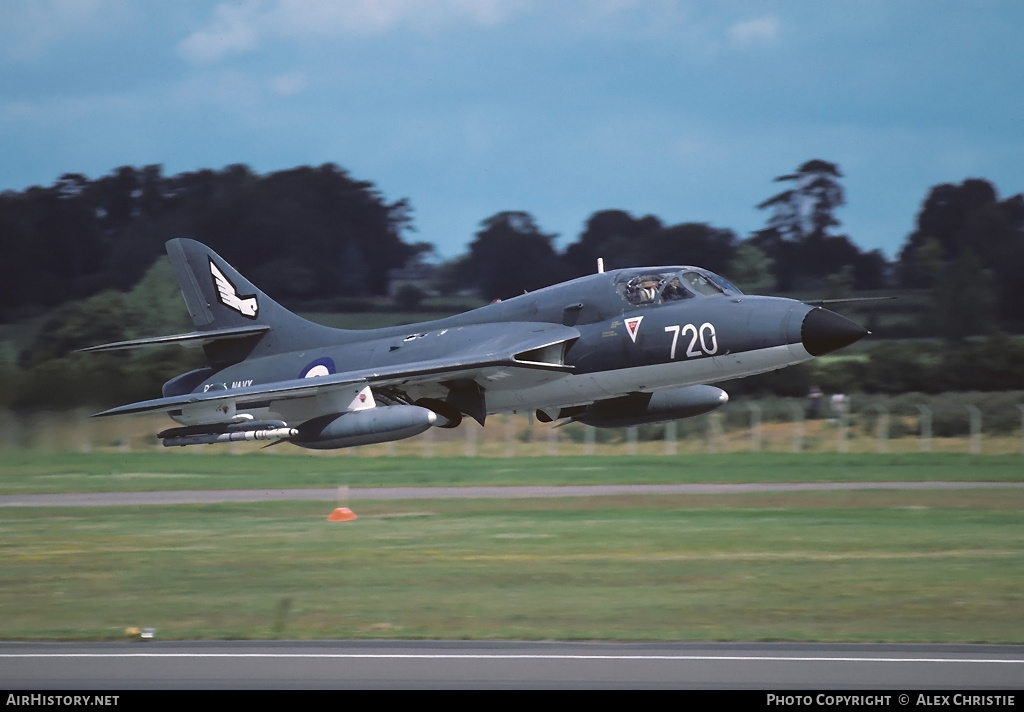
x: 309, y: 234
x: 300, y: 233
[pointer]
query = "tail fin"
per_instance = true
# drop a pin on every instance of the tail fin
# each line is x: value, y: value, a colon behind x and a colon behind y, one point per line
x: 233, y: 318
x: 216, y: 295
x: 219, y: 299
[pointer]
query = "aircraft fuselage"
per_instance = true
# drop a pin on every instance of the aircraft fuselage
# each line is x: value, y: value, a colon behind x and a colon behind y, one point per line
x: 622, y: 348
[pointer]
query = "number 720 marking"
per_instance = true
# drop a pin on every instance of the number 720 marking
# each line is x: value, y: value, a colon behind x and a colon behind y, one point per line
x: 705, y: 335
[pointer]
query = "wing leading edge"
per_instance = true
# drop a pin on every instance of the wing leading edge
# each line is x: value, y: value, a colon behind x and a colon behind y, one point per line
x: 535, y: 347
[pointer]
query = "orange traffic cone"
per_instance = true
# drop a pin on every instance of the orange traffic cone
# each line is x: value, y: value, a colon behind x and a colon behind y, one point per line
x: 341, y: 514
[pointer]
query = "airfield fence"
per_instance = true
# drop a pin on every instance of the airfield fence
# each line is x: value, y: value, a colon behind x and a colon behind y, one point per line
x: 779, y: 425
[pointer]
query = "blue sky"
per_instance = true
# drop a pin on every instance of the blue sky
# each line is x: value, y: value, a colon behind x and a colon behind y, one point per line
x: 683, y: 110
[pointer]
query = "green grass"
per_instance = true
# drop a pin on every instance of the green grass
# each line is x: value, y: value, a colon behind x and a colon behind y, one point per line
x: 25, y: 471
x: 896, y: 566
x: 870, y: 566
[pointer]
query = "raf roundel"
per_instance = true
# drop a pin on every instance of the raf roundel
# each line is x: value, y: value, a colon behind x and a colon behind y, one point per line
x: 320, y: 367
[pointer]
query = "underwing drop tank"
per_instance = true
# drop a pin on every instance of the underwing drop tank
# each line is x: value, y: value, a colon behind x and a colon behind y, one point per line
x: 661, y: 406
x: 364, y: 427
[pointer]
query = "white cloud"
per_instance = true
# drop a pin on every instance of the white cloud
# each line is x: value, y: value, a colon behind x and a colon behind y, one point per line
x: 760, y: 31
x: 311, y: 17
x: 234, y: 29
x: 240, y: 27
x: 246, y: 25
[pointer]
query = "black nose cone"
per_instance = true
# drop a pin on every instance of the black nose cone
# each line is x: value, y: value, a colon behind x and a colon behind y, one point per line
x: 824, y: 332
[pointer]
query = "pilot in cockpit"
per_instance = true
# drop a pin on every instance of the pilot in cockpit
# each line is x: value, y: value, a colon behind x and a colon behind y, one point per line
x: 674, y: 290
x: 643, y: 290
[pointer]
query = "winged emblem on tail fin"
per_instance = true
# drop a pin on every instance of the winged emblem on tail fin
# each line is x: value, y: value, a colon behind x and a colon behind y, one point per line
x: 229, y: 297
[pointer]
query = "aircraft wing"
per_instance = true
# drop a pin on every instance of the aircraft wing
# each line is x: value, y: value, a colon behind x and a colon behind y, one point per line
x: 534, y: 347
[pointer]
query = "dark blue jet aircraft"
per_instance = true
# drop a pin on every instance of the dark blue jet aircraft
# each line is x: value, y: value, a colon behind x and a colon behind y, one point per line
x: 613, y: 349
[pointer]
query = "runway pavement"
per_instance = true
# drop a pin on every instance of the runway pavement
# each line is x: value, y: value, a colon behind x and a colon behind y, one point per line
x: 104, y: 499
x: 461, y: 664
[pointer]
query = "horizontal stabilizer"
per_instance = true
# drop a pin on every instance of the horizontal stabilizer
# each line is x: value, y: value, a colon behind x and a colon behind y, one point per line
x: 192, y: 339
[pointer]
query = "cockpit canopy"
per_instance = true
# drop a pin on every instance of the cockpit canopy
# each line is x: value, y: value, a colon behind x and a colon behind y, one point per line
x: 641, y: 288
